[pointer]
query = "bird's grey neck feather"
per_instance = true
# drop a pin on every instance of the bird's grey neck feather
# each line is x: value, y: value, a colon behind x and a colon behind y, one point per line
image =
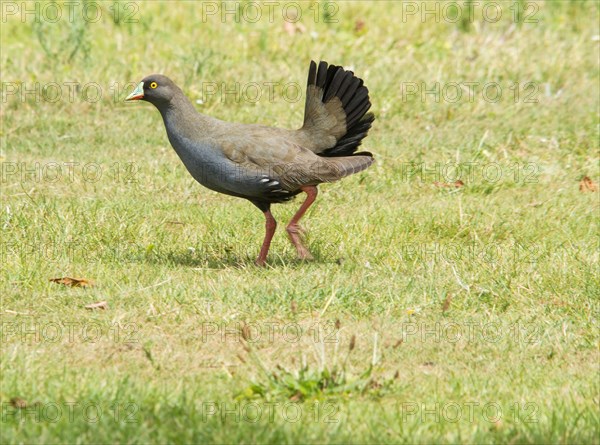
x: 190, y: 134
x: 180, y: 116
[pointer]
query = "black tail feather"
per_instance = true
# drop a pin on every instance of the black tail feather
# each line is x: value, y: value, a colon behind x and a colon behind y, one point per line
x: 334, y: 81
x: 350, y: 142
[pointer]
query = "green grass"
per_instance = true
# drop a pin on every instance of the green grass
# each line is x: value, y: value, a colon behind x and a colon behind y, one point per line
x: 473, y: 311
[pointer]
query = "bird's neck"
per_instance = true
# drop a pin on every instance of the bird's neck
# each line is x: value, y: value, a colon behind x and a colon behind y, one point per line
x: 181, y: 117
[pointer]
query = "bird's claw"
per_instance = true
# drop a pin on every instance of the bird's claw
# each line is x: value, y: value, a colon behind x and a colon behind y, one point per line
x: 304, y: 254
x: 261, y: 262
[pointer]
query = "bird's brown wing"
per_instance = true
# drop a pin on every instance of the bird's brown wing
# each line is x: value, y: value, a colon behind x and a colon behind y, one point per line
x: 276, y: 154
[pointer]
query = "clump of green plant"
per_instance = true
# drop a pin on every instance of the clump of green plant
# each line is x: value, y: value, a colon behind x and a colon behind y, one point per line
x: 318, y: 382
x: 63, y: 39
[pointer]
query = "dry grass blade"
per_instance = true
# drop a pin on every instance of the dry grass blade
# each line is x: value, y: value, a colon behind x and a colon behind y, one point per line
x: 99, y: 305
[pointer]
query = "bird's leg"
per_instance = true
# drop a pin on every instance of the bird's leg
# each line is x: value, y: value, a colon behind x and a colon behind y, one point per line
x: 293, y: 228
x: 270, y: 226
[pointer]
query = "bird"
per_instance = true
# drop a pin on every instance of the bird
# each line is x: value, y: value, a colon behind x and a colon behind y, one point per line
x: 270, y: 165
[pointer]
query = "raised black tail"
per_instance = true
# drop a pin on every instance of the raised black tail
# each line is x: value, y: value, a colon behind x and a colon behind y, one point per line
x: 336, y: 106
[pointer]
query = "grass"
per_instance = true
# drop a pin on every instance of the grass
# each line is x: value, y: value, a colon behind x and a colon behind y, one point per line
x: 473, y: 311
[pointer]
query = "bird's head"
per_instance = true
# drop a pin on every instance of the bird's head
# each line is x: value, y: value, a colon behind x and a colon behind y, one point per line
x: 156, y: 89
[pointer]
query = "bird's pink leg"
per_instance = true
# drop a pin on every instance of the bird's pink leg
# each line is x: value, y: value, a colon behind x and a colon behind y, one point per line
x: 270, y: 226
x: 293, y: 228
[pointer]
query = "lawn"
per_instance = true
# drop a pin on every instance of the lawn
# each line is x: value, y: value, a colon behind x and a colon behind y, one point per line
x: 454, y: 295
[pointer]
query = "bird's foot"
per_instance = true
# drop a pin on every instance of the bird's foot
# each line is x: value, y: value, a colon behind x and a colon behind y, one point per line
x: 304, y: 254
x: 294, y: 232
x: 261, y: 262
x: 301, y: 231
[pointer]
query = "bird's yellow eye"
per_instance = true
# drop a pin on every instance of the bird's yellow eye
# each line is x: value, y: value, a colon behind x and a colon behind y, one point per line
x: 153, y: 85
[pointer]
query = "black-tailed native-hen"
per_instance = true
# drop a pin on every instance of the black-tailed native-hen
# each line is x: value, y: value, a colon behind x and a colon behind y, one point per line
x: 268, y: 165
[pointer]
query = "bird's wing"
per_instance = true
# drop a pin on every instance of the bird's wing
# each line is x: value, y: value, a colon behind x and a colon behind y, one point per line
x: 274, y: 153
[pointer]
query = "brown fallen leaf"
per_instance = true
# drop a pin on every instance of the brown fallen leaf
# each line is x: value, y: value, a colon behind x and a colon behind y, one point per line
x: 352, y: 343
x: 100, y: 305
x: 73, y: 282
x: 18, y: 402
x: 456, y: 184
x: 359, y: 26
x: 246, y: 335
x: 296, y: 397
x: 587, y: 185
x: 446, y: 304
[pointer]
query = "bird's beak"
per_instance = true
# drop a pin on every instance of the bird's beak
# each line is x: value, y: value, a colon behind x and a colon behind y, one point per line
x: 137, y: 94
